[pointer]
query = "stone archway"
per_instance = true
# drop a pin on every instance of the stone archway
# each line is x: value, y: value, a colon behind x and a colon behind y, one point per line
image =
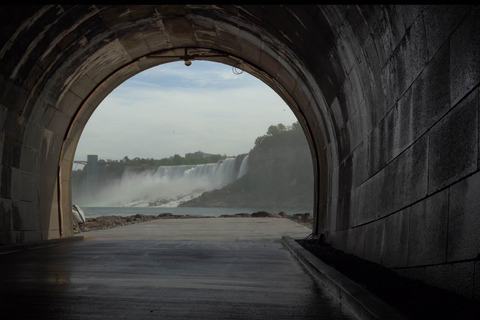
x: 388, y: 94
x: 153, y: 59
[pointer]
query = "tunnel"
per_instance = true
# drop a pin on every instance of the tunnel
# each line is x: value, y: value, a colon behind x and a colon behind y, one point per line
x: 387, y: 97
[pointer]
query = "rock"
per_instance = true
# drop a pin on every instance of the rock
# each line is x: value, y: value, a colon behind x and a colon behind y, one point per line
x: 243, y: 215
x: 263, y: 214
x: 165, y: 215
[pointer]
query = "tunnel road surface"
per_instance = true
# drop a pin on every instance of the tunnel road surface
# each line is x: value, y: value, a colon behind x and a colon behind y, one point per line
x: 202, y: 277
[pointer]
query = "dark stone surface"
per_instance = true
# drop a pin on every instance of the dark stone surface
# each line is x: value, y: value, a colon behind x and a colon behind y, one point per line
x: 424, y: 103
x: 464, y: 220
x: 427, y: 241
x: 395, y: 246
x: 453, y: 148
x: 440, y: 22
x: 373, y: 241
x: 455, y: 277
x: 465, y: 57
x: 405, y: 179
x: 365, y: 202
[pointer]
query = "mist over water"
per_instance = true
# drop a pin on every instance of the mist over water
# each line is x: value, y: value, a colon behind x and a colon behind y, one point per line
x: 165, y: 187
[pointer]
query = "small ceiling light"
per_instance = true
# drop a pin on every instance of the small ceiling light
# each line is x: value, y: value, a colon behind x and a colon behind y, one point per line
x: 188, y: 63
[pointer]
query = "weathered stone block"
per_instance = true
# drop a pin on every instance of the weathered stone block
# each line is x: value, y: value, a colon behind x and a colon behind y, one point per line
x: 114, y: 15
x: 134, y: 47
x: 360, y: 165
x: 397, y: 25
x: 30, y: 184
x: 456, y: 277
x: 347, y: 46
x: 16, y: 184
x: 59, y: 122
x: 409, y: 13
x: 464, y: 219
x: 25, y: 216
x: 344, y: 215
x: 50, y: 153
x: 29, y: 160
x: 380, y: 143
x: 358, y: 23
x: 33, y: 135
x: 360, y: 125
x: 365, y: 202
x: 372, y: 61
x: 373, y: 241
x: 42, y: 114
x: 408, y: 60
x: 404, y: 180
x: 358, y: 248
x: 83, y: 87
x: 69, y: 103
x: 48, y: 210
x: 465, y: 57
x: 395, y: 239
x: 424, y: 103
x: 440, y: 22
x: 382, y: 37
x: 6, y: 214
x: 352, y: 91
x: 453, y: 146
x: 427, y: 243
x: 32, y: 236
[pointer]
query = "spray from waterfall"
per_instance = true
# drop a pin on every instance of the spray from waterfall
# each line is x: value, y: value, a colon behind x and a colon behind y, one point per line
x: 168, y: 186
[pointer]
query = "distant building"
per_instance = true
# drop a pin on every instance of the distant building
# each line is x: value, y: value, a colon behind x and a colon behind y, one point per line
x: 198, y: 155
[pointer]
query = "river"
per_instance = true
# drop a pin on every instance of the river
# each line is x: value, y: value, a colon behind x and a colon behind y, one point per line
x: 92, y: 212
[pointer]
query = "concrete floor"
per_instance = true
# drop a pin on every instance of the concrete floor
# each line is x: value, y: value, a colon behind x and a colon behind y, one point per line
x: 204, y: 229
x: 207, y: 276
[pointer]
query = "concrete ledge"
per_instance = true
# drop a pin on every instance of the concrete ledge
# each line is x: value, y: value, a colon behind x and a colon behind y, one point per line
x: 356, y: 298
x: 38, y: 244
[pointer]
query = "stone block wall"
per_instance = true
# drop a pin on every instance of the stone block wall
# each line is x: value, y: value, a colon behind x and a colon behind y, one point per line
x: 413, y: 201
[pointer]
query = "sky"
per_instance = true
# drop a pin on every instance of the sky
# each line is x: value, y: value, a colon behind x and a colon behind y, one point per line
x: 173, y: 109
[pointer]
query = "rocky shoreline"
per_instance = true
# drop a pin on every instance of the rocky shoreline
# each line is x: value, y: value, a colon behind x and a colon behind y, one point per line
x: 108, y: 222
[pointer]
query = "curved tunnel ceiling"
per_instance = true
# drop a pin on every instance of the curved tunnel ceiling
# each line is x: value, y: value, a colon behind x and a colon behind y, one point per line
x: 63, y: 60
x: 126, y: 46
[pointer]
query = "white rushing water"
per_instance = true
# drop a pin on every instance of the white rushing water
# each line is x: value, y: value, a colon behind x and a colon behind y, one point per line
x: 168, y: 186
x: 243, y: 167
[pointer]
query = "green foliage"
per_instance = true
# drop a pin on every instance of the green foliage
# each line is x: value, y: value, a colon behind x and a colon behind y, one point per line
x: 280, y: 135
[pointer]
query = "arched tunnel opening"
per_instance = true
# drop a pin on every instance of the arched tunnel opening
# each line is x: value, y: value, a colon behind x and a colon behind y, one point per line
x: 172, y: 109
x: 387, y: 97
x: 154, y: 59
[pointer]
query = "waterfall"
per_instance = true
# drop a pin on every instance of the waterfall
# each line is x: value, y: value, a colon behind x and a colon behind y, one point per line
x: 243, y: 167
x: 168, y: 185
x: 210, y: 176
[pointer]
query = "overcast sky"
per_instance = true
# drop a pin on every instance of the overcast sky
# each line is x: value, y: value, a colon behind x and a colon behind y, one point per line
x: 174, y: 109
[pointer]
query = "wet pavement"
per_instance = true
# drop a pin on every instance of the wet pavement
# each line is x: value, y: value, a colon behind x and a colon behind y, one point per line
x: 228, y: 278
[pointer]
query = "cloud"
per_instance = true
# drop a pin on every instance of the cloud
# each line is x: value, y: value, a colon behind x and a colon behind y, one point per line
x: 168, y: 110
